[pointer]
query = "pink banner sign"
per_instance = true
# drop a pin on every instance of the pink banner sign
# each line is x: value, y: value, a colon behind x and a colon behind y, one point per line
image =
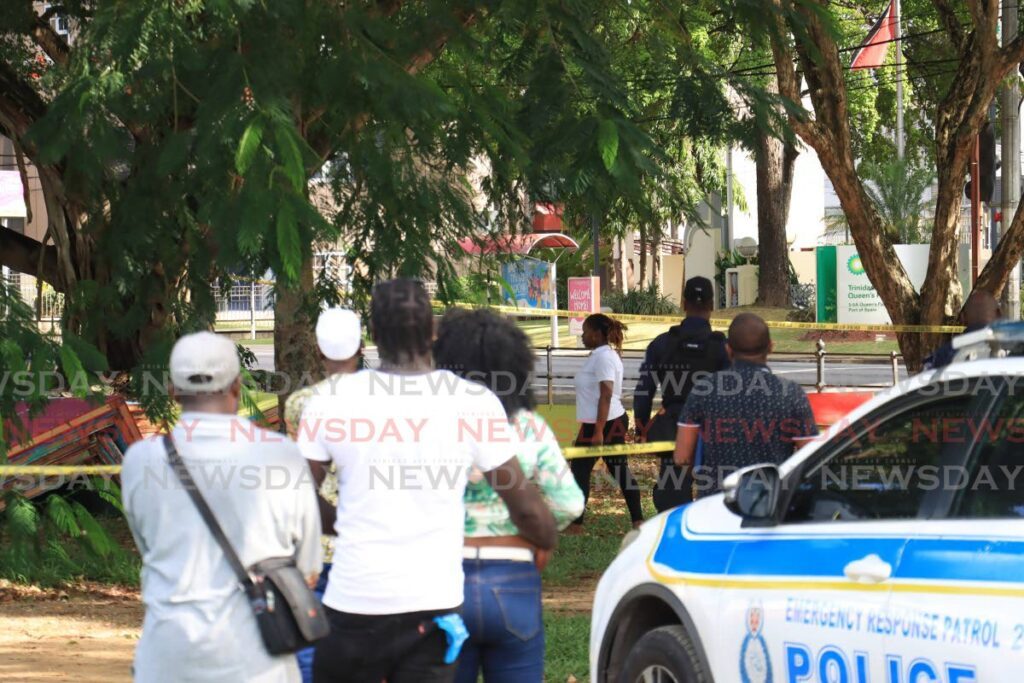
x: 12, y: 200
x: 585, y: 297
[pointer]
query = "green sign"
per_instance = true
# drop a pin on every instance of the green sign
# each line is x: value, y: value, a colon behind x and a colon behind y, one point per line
x: 826, y: 284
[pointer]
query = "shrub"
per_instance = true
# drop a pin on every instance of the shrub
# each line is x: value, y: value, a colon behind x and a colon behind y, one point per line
x: 640, y: 301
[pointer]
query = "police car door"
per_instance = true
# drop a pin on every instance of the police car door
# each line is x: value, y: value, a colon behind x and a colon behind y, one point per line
x: 958, y: 594
x: 808, y: 599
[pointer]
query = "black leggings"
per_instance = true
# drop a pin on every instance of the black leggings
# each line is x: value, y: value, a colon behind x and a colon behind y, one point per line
x: 614, y: 433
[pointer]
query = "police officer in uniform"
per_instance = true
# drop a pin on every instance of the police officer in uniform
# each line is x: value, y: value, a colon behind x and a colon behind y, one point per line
x: 671, y: 363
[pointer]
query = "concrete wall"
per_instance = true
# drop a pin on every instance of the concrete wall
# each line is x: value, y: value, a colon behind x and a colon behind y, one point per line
x: 806, y: 209
x: 805, y: 265
x: 700, y: 256
x: 672, y: 267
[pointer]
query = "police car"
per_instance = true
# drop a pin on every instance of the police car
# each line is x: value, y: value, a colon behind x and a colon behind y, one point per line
x: 890, y: 550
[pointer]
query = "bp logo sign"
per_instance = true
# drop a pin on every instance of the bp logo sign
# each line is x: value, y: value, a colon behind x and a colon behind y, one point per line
x: 854, y: 265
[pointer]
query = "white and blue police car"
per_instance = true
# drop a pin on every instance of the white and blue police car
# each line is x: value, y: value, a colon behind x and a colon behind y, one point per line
x: 890, y: 550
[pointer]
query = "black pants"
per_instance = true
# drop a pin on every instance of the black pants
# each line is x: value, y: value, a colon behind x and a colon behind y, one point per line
x: 614, y: 433
x: 674, y: 486
x: 369, y: 648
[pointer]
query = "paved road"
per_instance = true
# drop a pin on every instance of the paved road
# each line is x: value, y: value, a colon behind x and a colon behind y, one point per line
x: 567, y: 363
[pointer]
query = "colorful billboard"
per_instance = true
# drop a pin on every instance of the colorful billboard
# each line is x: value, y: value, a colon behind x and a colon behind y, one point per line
x: 531, y: 282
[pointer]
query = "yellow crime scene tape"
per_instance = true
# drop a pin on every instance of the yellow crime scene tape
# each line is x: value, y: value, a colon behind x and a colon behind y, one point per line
x: 716, y: 323
x: 58, y: 470
x: 574, y: 452
x: 719, y: 323
x: 570, y: 453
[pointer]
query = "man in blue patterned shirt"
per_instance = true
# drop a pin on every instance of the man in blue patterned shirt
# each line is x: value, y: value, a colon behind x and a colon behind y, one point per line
x: 745, y: 415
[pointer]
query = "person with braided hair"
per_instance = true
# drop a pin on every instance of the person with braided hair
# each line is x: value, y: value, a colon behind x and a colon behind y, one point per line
x: 403, y: 438
x: 600, y: 412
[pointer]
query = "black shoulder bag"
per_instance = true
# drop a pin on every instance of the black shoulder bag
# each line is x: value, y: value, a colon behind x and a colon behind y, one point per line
x: 287, y: 612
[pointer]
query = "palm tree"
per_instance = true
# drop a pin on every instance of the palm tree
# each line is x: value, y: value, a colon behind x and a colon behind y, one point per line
x: 897, y: 188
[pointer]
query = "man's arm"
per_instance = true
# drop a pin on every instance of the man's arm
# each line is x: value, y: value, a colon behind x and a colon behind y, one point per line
x: 310, y: 440
x: 328, y: 512
x: 686, y: 444
x: 526, y: 506
x: 691, y: 418
x: 307, y: 530
x: 646, y: 388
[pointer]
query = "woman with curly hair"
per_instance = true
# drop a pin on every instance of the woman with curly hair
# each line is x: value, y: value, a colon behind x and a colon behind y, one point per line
x: 502, y: 607
x: 600, y: 412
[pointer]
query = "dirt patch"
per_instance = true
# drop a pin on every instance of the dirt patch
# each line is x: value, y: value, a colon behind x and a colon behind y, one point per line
x: 87, y: 633
x: 575, y: 599
x: 81, y: 633
x: 846, y: 336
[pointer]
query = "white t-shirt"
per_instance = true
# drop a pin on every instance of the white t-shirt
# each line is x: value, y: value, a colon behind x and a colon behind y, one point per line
x: 198, y: 624
x: 403, y: 446
x: 602, y: 365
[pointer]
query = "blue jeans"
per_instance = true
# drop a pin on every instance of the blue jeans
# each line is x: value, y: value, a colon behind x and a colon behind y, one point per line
x: 305, y: 657
x: 502, y: 611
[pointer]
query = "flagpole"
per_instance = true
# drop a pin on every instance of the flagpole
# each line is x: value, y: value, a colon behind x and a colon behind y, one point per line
x: 899, y: 82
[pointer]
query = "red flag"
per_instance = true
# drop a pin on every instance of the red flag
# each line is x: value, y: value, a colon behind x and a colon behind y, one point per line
x: 871, y: 53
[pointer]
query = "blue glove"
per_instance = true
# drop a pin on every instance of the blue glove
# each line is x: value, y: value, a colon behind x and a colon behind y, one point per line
x: 456, y: 634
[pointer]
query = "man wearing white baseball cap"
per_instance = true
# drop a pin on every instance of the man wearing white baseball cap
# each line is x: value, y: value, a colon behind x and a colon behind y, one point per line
x: 339, y: 334
x: 199, y: 625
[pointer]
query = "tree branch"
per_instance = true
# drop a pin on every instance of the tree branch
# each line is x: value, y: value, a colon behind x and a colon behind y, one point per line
x: 788, y: 80
x: 324, y: 145
x: 996, y: 274
x: 24, y: 255
x: 948, y: 20
x: 1011, y: 55
x: 49, y: 41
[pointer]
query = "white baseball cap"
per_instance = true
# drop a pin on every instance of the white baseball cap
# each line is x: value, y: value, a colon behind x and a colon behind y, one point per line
x: 338, y: 333
x: 204, y: 363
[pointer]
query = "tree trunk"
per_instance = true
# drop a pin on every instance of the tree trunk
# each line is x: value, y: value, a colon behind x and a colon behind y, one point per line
x: 643, y: 258
x: 656, y: 257
x: 296, y: 356
x: 774, y: 161
x: 618, y: 272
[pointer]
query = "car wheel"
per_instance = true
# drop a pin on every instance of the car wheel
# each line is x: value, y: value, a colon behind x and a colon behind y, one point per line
x: 663, y: 655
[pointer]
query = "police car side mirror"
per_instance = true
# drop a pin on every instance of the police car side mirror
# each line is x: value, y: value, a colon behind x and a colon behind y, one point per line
x: 753, y: 492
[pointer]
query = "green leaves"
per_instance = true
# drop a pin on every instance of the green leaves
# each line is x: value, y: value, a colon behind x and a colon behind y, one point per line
x: 62, y: 516
x: 248, y: 146
x: 89, y: 356
x: 93, y: 536
x: 288, y: 146
x: 74, y: 371
x: 608, y: 142
x: 289, y: 244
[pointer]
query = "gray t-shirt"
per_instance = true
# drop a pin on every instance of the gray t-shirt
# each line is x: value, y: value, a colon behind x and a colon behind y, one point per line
x: 746, y: 416
x: 198, y: 624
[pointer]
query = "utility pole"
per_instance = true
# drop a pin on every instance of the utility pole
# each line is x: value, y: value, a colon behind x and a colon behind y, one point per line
x: 1010, y: 149
x: 899, y: 83
x: 975, y: 208
x: 595, y: 236
x: 727, y: 232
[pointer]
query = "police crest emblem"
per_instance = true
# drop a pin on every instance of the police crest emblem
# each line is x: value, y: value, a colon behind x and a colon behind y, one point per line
x: 755, y: 666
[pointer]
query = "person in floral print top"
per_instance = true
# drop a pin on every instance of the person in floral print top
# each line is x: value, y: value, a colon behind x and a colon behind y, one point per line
x: 502, y: 607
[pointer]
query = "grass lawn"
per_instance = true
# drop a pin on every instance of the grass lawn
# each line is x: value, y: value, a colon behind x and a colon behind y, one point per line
x: 639, y: 335
x: 576, y: 566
